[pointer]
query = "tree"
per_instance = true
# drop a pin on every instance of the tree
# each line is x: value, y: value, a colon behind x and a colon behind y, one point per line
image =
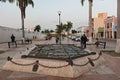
x: 118, y: 29
x: 47, y: 31
x: 22, y: 5
x: 90, y: 18
x: 11, y: 1
x: 37, y: 28
x: 51, y: 31
x: 68, y: 27
x: 42, y: 31
x: 73, y: 31
x: 60, y: 29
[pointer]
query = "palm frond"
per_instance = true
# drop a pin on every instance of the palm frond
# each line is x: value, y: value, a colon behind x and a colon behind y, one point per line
x: 11, y: 1
x: 82, y: 2
x: 31, y: 2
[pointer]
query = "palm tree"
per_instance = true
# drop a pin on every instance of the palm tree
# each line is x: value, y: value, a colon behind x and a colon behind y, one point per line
x: 118, y: 30
x: 22, y: 5
x: 11, y: 1
x: 47, y: 31
x: 68, y: 27
x: 51, y: 31
x: 73, y: 31
x: 90, y: 18
x: 37, y: 28
x: 60, y: 29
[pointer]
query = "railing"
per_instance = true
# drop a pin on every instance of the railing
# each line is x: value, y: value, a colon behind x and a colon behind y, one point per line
x: 36, y: 64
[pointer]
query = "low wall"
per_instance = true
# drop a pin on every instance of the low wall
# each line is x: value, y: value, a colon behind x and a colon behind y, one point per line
x: 5, y: 34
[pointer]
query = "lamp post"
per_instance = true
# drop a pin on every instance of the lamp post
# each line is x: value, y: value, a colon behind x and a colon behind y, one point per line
x: 59, y: 13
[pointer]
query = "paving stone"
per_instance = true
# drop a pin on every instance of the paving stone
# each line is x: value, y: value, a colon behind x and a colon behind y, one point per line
x: 25, y: 75
x: 110, y: 71
x: 103, y: 69
x: 99, y: 77
x: 4, y: 74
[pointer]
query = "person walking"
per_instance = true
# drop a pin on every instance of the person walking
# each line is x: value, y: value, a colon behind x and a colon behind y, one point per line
x: 57, y: 39
x: 12, y: 38
x: 83, y: 41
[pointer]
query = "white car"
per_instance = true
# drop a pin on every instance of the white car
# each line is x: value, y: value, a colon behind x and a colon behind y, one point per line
x: 78, y: 38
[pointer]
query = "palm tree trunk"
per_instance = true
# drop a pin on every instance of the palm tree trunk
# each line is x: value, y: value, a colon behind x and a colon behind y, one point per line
x: 22, y: 20
x: 118, y: 29
x: 90, y: 20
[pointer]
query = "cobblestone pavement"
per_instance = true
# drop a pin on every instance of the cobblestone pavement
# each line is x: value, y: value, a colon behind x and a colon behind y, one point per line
x: 109, y: 71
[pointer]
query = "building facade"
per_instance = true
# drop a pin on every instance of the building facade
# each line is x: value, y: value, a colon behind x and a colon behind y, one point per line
x: 98, y: 25
x: 83, y: 30
x: 110, y: 30
x: 104, y: 26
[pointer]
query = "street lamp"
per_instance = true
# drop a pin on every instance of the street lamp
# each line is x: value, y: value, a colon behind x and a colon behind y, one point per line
x: 59, y: 13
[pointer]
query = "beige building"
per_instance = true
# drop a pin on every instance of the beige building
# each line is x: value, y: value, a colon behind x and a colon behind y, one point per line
x: 110, y: 30
x: 98, y: 25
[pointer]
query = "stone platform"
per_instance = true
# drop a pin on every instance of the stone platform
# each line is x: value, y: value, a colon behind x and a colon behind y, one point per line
x: 72, y: 68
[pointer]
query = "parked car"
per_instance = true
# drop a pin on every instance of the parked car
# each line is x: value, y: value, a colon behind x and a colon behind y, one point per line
x: 73, y: 37
x: 77, y: 38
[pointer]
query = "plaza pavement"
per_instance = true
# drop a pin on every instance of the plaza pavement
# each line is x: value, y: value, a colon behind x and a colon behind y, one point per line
x: 109, y: 71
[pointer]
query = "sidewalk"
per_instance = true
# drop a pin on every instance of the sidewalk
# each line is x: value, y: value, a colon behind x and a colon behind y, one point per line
x: 109, y: 71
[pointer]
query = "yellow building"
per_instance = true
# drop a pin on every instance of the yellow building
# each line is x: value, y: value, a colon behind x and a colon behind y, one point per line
x: 98, y: 23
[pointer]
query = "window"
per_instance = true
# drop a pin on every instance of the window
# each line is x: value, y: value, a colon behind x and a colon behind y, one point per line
x: 107, y: 25
x: 111, y: 25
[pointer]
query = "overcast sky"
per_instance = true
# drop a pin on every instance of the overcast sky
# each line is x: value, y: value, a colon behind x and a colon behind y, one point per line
x: 45, y: 13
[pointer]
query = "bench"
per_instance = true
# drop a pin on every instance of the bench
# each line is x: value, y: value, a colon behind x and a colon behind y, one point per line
x: 12, y: 43
x: 27, y: 41
x: 101, y: 43
x: 15, y: 43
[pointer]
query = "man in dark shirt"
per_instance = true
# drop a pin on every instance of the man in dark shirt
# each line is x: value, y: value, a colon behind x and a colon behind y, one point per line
x: 83, y: 41
x: 12, y: 38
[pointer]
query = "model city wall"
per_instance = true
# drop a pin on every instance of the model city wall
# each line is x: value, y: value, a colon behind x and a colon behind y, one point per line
x: 5, y: 34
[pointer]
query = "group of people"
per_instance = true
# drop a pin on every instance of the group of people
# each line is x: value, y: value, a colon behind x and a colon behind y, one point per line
x: 57, y: 39
x: 83, y: 40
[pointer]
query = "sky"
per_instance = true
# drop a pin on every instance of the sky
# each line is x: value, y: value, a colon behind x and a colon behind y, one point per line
x: 45, y: 13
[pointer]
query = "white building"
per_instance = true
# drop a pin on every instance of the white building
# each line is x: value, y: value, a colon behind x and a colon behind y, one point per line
x: 82, y: 30
x: 6, y: 32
